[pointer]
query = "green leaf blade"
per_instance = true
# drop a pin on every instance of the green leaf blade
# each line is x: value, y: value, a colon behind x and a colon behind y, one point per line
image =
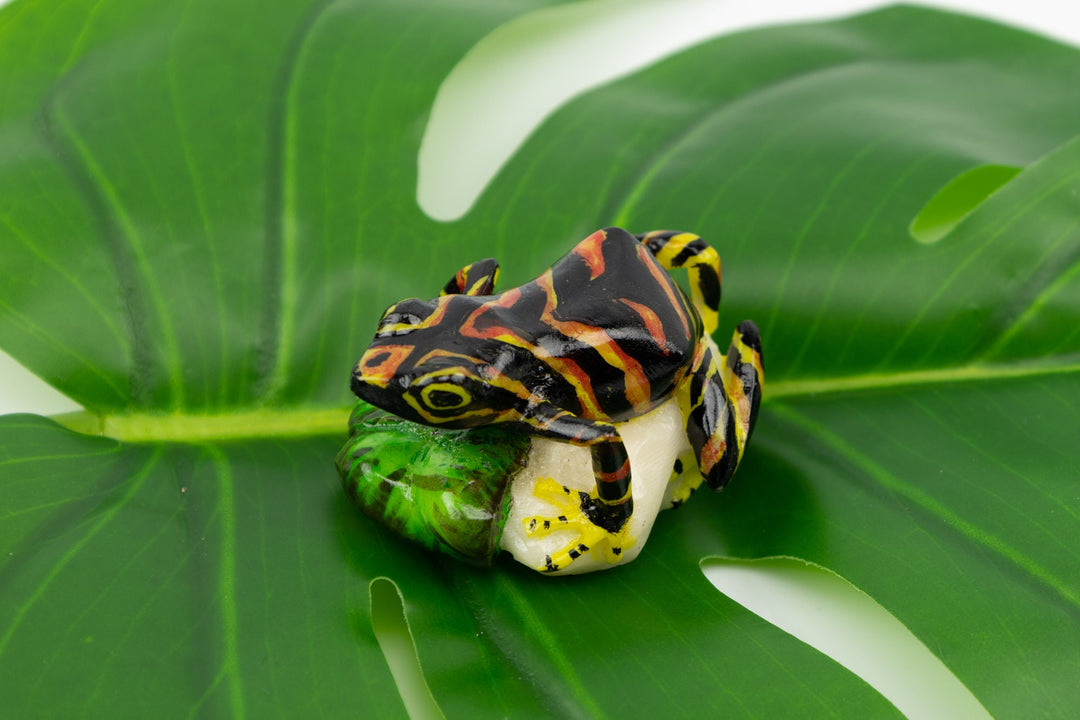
x: 204, y: 210
x: 191, y: 566
x: 972, y: 495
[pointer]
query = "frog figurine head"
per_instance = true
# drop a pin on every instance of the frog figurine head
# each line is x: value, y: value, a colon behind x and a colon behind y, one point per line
x: 429, y: 363
x: 419, y: 368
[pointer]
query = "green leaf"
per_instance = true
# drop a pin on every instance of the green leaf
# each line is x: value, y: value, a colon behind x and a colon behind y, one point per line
x: 204, y: 208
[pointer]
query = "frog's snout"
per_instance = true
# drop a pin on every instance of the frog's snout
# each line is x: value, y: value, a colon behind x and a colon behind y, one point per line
x: 379, y: 366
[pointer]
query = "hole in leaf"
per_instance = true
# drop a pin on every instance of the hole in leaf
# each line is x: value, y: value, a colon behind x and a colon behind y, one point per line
x: 831, y: 615
x: 957, y: 200
x: 527, y: 68
x: 396, y: 642
x: 26, y: 392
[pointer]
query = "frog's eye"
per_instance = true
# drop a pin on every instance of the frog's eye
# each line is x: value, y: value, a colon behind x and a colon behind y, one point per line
x: 445, y: 396
x: 397, y: 324
x: 403, y: 318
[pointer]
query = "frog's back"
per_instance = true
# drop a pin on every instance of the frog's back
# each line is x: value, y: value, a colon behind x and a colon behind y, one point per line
x: 611, y: 279
x: 609, y: 310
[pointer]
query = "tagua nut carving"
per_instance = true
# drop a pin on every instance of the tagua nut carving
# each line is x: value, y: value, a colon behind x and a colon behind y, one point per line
x: 598, y: 367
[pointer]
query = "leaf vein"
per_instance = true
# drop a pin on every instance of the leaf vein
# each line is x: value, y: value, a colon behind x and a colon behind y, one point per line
x: 282, y: 229
x: 928, y: 503
x: 135, y: 485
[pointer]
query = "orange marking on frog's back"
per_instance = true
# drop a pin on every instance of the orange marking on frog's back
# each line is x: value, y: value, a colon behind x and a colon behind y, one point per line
x: 638, y: 387
x: 569, y: 370
x: 651, y: 321
x: 591, y: 251
x: 495, y: 332
x: 663, y: 279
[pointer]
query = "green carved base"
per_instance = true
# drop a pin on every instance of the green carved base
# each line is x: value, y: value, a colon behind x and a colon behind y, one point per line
x: 445, y: 489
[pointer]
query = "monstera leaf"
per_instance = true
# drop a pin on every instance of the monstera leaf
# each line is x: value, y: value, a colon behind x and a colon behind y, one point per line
x: 205, y: 206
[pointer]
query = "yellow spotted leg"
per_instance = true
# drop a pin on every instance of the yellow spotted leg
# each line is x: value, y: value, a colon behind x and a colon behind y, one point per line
x: 676, y: 249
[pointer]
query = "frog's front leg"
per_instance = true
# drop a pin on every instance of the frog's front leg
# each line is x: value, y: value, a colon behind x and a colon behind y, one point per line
x: 573, y: 507
x: 477, y: 278
x: 598, y: 519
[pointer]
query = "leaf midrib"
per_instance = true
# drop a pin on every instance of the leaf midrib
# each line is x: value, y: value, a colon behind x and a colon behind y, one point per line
x: 326, y: 422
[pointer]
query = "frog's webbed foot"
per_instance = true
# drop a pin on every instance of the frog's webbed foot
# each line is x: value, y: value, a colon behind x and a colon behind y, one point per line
x: 584, y: 514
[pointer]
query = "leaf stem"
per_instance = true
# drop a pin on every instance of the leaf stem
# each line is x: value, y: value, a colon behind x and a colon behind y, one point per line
x: 176, y: 427
x: 307, y: 422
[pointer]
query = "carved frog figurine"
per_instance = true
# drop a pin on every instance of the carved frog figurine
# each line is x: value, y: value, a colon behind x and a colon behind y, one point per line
x: 602, y: 336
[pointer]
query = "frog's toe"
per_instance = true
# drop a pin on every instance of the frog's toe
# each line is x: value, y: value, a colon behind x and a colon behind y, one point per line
x: 557, y: 494
x: 582, y: 543
x: 567, y: 504
x: 585, y: 536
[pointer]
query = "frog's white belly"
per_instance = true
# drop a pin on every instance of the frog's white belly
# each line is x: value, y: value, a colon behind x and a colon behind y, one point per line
x: 653, y: 442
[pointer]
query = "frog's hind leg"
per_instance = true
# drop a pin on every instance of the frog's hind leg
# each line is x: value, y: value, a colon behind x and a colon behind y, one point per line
x: 477, y: 278
x: 675, y: 249
x: 721, y: 403
x: 685, y: 479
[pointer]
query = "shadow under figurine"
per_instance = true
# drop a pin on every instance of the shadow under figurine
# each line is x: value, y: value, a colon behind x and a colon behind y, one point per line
x: 541, y: 399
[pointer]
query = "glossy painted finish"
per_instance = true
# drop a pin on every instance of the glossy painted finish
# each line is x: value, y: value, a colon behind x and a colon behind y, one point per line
x: 602, y: 336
